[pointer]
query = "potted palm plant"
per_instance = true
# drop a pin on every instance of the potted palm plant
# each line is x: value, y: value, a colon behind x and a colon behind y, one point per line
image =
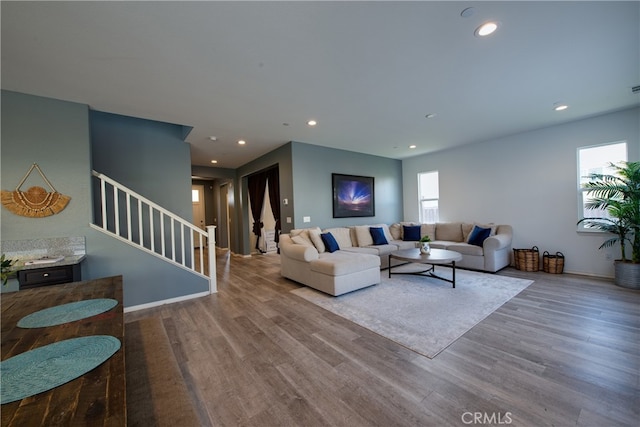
x: 619, y: 195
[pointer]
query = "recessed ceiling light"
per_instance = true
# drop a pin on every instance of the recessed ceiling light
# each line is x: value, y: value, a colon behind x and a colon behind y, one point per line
x: 412, y: 146
x: 214, y: 161
x: 486, y: 29
x: 242, y: 142
x: 431, y: 115
x: 559, y: 106
x: 213, y: 138
x: 312, y: 123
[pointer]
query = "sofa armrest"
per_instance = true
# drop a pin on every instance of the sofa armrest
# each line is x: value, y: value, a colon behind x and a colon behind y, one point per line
x: 496, y: 242
x: 299, y: 252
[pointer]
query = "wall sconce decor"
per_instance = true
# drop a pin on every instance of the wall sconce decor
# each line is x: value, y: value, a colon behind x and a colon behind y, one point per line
x: 36, y: 202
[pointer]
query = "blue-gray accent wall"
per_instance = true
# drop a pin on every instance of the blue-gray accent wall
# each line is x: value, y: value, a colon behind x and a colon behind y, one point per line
x: 149, y: 157
x: 312, y: 169
x: 152, y: 159
x: 305, y: 181
x: 282, y: 158
x: 55, y: 135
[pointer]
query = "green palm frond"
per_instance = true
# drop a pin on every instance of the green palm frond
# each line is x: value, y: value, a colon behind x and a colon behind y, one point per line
x: 619, y: 195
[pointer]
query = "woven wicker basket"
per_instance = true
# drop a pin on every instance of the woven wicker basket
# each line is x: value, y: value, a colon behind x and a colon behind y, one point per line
x: 527, y: 259
x: 553, y: 263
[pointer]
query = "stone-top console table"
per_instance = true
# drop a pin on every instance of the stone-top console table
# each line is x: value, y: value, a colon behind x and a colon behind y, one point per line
x: 46, y: 261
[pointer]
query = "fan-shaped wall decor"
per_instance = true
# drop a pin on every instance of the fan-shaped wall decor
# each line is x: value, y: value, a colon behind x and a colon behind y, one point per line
x: 36, y: 202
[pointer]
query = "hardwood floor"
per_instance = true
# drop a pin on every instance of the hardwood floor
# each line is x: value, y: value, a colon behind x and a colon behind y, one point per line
x: 564, y: 352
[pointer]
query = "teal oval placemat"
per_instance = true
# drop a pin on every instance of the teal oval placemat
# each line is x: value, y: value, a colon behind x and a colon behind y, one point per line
x: 52, y: 365
x: 67, y: 313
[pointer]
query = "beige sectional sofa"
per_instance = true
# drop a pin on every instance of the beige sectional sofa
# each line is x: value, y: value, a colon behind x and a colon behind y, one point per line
x: 358, y: 259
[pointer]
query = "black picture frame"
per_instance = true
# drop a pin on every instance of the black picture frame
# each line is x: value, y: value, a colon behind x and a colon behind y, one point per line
x: 353, y: 196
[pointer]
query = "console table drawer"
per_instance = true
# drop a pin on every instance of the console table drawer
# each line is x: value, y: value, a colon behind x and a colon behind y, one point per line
x: 48, y: 276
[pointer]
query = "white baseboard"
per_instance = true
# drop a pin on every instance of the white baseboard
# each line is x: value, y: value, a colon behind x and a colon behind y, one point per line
x: 166, y: 301
x: 582, y: 273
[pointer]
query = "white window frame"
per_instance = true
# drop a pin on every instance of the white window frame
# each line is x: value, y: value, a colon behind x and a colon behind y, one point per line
x: 436, y: 199
x: 582, y: 191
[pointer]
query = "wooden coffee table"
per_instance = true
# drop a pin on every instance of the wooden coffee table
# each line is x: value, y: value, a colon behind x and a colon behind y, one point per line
x: 436, y: 257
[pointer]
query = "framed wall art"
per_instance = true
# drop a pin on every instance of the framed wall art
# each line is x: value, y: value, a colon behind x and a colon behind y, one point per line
x: 353, y: 196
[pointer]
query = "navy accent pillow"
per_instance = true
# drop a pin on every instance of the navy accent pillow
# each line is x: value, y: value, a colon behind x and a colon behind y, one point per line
x: 378, y: 236
x: 411, y: 233
x: 478, y: 235
x: 330, y: 242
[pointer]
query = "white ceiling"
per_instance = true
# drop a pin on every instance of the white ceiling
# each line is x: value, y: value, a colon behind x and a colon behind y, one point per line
x: 368, y: 72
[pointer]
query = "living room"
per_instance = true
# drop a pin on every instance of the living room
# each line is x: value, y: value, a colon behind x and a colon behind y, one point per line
x: 512, y: 172
x: 526, y: 178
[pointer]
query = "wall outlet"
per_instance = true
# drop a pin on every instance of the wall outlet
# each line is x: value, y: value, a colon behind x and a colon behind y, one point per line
x: 306, y: 219
x: 288, y: 220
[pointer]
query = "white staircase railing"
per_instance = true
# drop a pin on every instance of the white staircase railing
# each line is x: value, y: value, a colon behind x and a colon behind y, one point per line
x: 133, y: 219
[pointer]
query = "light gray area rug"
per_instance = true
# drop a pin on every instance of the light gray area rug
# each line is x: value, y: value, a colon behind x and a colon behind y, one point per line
x: 423, y: 314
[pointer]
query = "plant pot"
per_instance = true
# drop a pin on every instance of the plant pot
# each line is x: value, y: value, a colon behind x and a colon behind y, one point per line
x: 627, y: 274
x: 425, y: 248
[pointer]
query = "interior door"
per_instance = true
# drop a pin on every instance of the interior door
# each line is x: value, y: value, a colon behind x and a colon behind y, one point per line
x: 197, y: 198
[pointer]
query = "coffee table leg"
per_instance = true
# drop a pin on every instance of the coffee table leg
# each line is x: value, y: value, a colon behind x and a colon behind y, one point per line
x: 454, y: 274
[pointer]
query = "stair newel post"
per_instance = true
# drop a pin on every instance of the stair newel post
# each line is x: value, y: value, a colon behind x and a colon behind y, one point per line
x: 213, y: 281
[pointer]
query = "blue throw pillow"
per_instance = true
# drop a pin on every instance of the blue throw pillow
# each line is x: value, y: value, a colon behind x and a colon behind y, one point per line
x: 478, y: 235
x: 330, y: 242
x: 378, y: 236
x: 411, y: 233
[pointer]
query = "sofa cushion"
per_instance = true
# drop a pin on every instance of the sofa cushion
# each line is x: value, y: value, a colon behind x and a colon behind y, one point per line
x: 314, y: 235
x: 342, y: 236
x: 329, y: 242
x: 379, y: 250
x: 465, y: 248
x: 450, y: 231
x: 363, y: 236
x: 384, y: 250
x: 428, y: 230
x: 396, y: 231
x: 385, y: 230
x: 411, y: 233
x: 371, y: 250
x: 408, y: 224
x: 437, y: 244
x: 299, y: 240
x: 301, y: 233
x: 297, y: 252
x: 466, y: 231
x: 402, y: 244
x: 340, y: 263
x: 378, y: 236
x: 493, y: 227
x: 478, y: 235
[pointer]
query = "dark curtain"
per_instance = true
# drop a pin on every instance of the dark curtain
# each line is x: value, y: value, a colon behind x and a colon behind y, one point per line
x: 257, y: 184
x: 273, y: 176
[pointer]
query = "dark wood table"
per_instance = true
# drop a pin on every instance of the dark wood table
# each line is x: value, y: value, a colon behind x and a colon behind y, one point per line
x: 97, y: 398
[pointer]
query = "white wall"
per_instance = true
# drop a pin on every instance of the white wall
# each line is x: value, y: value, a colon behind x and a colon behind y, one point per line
x: 527, y: 180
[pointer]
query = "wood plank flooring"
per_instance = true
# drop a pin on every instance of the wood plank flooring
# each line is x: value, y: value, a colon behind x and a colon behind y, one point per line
x: 564, y: 352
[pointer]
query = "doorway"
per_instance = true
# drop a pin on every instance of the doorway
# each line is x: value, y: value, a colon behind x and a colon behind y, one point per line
x: 197, y: 200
